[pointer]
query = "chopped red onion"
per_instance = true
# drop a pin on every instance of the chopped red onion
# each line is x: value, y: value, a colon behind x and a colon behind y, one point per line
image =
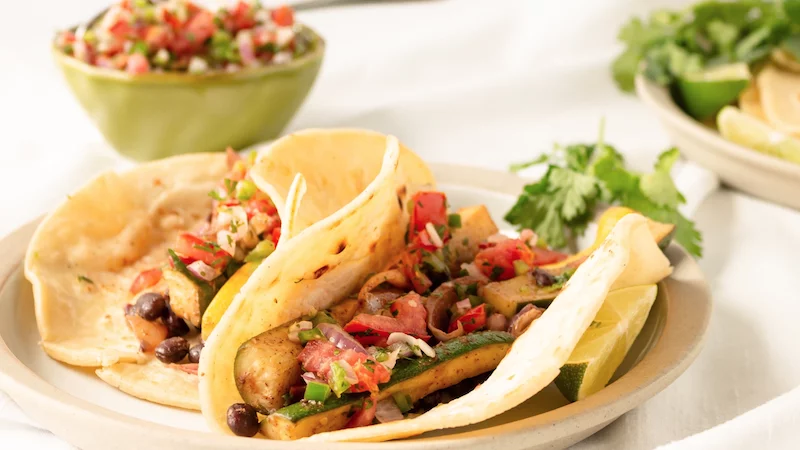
x: 418, y: 346
x: 340, y: 338
x: 529, y: 236
x: 463, y: 306
x: 349, y: 373
x: 387, y: 411
x: 297, y: 327
x: 497, y: 238
x: 202, y: 270
x: 497, y: 322
x: 473, y: 271
x: 309, y: 377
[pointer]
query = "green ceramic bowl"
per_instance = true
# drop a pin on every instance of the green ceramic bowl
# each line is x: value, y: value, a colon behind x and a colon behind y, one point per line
x: 156, y: 115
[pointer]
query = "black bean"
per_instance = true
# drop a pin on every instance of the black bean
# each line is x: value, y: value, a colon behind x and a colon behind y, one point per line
x: 194, y: 353
x: 175, y: 325
x: 172, y: 350
x: 242, y: 420
x: 151, y: 305
x: 543, y: 278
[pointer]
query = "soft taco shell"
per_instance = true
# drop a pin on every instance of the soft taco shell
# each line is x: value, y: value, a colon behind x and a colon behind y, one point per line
x: 85, y: 254
x: 364, y: 189
x: 628, y: 257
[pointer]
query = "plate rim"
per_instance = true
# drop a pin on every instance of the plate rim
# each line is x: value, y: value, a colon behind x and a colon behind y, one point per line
x: 650, y: 93
x: 685, y: 330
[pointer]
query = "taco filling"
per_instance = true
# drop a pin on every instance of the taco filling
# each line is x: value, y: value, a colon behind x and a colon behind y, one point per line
x: 170, y: 303
x: 415, y: 334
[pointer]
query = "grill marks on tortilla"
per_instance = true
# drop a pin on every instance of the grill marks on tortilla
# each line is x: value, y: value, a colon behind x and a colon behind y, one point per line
x: 341, y: 247
x: 401, y: 196
x: 321, y: 271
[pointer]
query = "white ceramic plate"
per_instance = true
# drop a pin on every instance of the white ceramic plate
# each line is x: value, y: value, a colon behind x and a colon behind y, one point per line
x: 753, y: 172
x: 79, y: 407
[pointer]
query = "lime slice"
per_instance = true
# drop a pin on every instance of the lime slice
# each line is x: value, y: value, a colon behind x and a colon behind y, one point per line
x: 604, y: 345
x: 746, y: 130
x: 703, y: 93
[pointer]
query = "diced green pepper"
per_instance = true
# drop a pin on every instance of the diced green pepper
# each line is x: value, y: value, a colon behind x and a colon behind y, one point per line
x: 139, y: 47
x: 317, y: 391
x: 245, y: 190
x: 322, y: 317
x: 474, y: 300
x: 338, y: 380
x: 454, y: 220
x: 403, y: 401
x: 435, y: 263
x: 310, y: 335
x: 520, y: 267
x: 261, y: 251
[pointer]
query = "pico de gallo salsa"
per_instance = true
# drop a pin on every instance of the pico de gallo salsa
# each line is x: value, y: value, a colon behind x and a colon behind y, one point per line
x: 243, y: 227
x: 427, y: 309
x: 141, y: 36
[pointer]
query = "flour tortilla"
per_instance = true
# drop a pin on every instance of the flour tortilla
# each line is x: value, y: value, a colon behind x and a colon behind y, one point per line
x: 167, y: 384
x: 349, y: 176
x: 85, y: 254
x: 628, y: 257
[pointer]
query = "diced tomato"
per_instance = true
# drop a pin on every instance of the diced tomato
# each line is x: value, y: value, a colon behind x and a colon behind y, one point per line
x: 240, y: 16
x: 193, y: 247
x: 427, y: 206
x: 65, y: 38
x: 318, y: 355
x: 423, y: 241
x: 283, y: 16
x: 157, y: 36
x: 544, y: 256
x: 145, y: 280
x: 137, y: 64
x: 364, y: 415
x: 409, y: 318
x: 409, y: 264
x: 260, y: 203
x: 410, y: 311
x: 497, y: 262
x: 276, y: 235
x: 199, y: 28
x: 473, y: 319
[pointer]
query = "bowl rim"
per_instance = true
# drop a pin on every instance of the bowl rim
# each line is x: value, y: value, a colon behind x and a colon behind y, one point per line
x: 678, y: 345
x: 657, y: 97
x: 186, y: 78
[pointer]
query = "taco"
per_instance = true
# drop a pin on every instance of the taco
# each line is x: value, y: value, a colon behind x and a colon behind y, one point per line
x: 382, y: 336
x: 133, y: 272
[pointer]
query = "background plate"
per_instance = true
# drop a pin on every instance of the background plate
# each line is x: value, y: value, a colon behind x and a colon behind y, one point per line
x: 79, y: 407
x: 743, y: 168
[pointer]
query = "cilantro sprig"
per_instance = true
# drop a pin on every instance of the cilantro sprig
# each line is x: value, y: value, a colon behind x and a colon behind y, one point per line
x: 671, y: 44
x: 581, y: 178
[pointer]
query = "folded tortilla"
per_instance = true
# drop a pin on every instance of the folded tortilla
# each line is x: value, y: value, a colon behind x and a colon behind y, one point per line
x: 628, y: 257
x: 85, y: 254
x: 363, y: 190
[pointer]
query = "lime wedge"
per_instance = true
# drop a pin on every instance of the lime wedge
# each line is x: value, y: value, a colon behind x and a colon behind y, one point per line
x: 604, y: 345
x: 704, y: 93
x: 746, y: 130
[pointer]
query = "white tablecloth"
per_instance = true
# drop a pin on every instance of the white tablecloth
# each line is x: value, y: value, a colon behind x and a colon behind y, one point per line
x: 472, y: 83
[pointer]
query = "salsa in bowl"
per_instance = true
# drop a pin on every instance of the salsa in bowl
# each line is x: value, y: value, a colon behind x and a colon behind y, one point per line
x: 169, y: 78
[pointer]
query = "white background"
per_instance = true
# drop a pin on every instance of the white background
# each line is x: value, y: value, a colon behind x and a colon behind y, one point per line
x: 481, y: 83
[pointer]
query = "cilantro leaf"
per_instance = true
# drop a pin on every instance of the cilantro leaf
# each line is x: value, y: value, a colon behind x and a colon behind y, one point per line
x: 581, y: 177
x: 670, y: 44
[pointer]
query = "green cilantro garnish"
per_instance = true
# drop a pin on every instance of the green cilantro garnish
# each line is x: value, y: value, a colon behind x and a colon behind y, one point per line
x: 85, y: 279
x: 671, y: 44
x: 581, y: 177
x: 215, y: 195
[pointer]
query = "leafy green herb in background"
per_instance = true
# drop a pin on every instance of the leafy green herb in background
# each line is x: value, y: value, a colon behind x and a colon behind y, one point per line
x: 582, y: 177
x: 670, y: 44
